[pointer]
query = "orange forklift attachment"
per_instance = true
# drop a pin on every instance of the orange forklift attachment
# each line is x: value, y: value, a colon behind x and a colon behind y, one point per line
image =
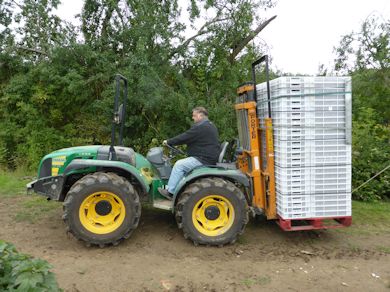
x: 250, y: 161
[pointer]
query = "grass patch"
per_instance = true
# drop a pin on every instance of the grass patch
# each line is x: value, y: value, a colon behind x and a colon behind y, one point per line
x: 384, y: 249
x: 353, y: 247
x: 242, y: 240
x: 30, y: 208
x: 373, y: 213
x: 262, y: 280
x: 35, y: 209
x: 368, y: 218
x: 13, y: 183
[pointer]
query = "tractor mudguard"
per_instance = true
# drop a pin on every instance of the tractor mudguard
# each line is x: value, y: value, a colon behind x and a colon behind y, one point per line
x: 78, y: 164
x: 233, y: 175
x: 52, y: 186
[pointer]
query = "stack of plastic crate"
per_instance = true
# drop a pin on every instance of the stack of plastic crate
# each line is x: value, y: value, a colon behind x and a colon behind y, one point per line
x: 311, y: 119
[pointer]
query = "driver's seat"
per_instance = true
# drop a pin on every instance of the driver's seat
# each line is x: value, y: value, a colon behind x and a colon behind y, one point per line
x: 221, y: 161
x: 224, y: 146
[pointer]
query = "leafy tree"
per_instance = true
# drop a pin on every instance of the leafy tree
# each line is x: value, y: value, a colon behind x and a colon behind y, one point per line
x: 367, y: 49
x: 371, y: 153
x: 365, y: 55
x: 35, y: 28
x: 6, y: 16
x: 56, y: 86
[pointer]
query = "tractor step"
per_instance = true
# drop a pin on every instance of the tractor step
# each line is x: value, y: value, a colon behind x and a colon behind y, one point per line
x: 314, y: 223
x: 163, y: 204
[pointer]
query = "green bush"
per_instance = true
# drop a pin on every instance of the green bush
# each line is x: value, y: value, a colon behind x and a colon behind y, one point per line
x: 370, y: 155
x: 20, y: 272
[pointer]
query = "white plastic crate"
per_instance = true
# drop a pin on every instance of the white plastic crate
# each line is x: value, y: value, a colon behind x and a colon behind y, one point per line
x: 293, y: 207
x: 300, y: 153
x: 311, y: 119
x: 305, y: 93
x: 334, y: 119
x: 294, y: 133
x: 331, y: 205
x: 336, y: 185
x: 313, y: 180
x: 295, y: 186
x: 296, y: 105
x: 320, y: 82
x: 331, y: 179
x: 302, y: 94
x: 318, y: 178
x: 294, y: 150
x: 313, y: 205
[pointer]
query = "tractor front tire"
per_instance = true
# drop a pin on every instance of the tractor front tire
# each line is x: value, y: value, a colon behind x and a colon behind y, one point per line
x: 102, y: 209
x: 212, y: 211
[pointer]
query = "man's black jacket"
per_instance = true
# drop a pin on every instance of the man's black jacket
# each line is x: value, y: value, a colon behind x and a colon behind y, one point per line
x: 202, y: 142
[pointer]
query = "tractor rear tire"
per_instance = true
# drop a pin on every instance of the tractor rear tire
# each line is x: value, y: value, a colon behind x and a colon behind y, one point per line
x: 212, y: 211
x: 102, y: 209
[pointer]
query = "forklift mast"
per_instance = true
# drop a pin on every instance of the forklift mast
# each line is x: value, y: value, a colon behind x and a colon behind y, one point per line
x: 257, y: 158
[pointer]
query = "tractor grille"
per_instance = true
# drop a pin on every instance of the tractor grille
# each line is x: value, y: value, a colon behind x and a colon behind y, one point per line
x: 45, y: 168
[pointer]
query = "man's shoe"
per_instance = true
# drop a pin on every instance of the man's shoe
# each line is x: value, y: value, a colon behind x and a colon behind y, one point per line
x: 165, y: 193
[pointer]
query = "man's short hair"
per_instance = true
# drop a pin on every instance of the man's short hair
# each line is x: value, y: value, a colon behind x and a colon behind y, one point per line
x: 202, y: 110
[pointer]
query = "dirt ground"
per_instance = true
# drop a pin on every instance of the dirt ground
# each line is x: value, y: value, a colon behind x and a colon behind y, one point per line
x: 158, y: 258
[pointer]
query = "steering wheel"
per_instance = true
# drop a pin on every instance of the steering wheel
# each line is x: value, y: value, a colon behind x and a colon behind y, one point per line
x: 174, y: 149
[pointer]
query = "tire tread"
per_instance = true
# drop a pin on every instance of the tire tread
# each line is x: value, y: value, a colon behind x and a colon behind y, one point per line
x: 207, y: 183
x: 89, y: 180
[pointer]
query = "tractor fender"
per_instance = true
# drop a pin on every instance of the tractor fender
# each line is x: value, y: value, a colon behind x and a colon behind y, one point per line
x: 77, y: 164
x: 232, y: 175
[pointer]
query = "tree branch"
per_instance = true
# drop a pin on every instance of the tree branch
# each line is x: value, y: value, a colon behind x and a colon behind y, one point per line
x: 120, y: 15
x: 32, y: 50
x: 237, y: 48
x: 107, y: 18
x: 17, y: 4
x: 200, y: 32
x: 151, y: 124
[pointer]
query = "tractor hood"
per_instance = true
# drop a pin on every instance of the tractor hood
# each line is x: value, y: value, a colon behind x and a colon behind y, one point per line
x: 55, y: 163
x: 86, y: 150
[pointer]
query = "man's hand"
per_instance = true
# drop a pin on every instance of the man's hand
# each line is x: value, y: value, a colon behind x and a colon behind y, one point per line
x: 165, y: 143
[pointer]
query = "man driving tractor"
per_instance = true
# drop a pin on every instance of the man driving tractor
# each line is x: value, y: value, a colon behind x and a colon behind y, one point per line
x: 203, y: 148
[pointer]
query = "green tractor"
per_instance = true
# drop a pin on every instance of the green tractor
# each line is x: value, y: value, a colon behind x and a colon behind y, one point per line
x: 102, y: 188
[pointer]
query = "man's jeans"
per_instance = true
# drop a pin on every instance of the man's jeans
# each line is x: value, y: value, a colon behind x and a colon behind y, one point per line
x: 179, y: 170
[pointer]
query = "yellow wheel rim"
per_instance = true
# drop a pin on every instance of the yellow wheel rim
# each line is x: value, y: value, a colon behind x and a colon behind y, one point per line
x: 102, y: 212
x: 213, y: 215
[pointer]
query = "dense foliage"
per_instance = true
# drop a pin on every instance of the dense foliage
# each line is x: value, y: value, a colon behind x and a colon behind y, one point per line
x: 366, y: 56
x: 20, y: 272
x: 56, y: 78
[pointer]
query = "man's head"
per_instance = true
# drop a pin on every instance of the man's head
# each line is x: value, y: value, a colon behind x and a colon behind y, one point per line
x: 199, y: 114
